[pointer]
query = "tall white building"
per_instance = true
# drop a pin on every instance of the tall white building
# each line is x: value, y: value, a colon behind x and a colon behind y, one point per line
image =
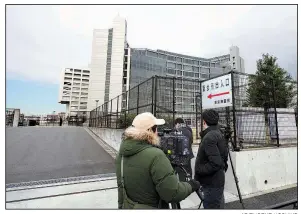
x: 109, y: 67
x: 74, y: 87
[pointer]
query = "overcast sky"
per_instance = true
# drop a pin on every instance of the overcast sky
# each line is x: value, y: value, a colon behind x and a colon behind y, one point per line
x: 41, y: 40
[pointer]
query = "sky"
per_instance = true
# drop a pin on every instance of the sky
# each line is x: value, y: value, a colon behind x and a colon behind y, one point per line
x: 42, y: 40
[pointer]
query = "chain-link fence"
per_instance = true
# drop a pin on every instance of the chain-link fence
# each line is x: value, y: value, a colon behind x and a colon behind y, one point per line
x: 260, y: 117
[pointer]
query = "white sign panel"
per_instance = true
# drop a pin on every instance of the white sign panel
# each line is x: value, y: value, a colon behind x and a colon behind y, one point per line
x: 217, y: 92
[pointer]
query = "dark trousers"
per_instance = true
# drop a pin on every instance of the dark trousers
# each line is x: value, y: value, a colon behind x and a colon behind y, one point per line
x: 213, y: 198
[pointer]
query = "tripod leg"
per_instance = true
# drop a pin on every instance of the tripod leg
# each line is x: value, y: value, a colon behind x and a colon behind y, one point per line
x: 175, y: 206
x: 236, y: 182
x: 200, y: 205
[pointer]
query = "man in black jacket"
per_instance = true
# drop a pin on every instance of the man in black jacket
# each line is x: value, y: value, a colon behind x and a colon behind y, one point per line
x: 181, y: 127
x: 211, y: 161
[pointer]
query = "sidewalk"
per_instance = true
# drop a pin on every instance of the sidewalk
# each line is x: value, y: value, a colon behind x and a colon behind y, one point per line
x: 100, y: 192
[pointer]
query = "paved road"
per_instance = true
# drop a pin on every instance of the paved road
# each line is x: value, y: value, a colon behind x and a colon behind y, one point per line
x: 40, y: 153
x: 266, y: 200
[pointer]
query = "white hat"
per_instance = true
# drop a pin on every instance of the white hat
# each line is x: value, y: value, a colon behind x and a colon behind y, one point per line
x: 146, y: 120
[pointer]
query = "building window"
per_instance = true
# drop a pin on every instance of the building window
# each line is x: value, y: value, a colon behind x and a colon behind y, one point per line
x: 152, y: 54
x: 179, y: 85
x: 205, y: 76
x: 195, y: 69
x: 179, y: 93
x: 171, y: 65
x: 172, y: 58
x: 187, y: 67
x: 161, y: 56
x: 171, y: 71
x: 188, y: 74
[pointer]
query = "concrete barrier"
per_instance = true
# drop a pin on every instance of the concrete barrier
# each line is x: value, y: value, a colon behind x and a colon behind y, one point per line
x: 111, y: 136
x: 258, y: 170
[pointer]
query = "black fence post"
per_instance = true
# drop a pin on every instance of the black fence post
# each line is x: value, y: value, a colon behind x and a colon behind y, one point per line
x: 233, y: 111
x: 201, y: 106
x: 110, y: 117
x: 126, y: 107
x: 228, y: 121
x: 138, y: 99
x: 196, y: 116
x: 275, y: 112
x: 101, y: 117
x: 117, y: 112
x: 155, y: 97
x: 153, y: 84
x: 173, y: 100
x: 96, y: 116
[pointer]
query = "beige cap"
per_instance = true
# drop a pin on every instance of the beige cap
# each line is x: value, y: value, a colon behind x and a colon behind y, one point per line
x: 146, y: 120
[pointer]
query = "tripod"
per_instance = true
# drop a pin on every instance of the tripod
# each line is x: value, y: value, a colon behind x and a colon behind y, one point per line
x: 230, y: 140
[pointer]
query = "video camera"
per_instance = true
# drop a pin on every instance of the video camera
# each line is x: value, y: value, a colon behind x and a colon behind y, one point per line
x: 176, y: 146
x: 227, y: 132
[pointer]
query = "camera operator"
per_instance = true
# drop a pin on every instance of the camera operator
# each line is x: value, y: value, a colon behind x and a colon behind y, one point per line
x: 211, y: 161
x: 145, y: 177
x: 182, y: 128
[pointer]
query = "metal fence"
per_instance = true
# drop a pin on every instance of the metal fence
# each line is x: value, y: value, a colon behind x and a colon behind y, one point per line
x: 264, y: 118
x: 172, y: 97
x: 165, y: 97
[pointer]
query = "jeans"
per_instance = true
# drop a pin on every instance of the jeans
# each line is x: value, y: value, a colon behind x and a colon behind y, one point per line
x: 213, y: 198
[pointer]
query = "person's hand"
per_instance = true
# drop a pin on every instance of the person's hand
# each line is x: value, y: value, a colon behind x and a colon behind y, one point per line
x: 194, y: 184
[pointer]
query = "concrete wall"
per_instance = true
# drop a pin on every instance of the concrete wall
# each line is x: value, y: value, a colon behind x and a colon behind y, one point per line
x: 111, y: 136
x: 277, y: 166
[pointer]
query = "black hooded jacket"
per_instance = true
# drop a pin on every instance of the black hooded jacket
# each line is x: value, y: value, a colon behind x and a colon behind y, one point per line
x: 212, y: 157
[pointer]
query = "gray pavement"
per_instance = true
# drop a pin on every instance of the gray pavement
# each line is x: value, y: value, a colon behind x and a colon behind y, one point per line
x: 266, y: 200
x: 41, y: 153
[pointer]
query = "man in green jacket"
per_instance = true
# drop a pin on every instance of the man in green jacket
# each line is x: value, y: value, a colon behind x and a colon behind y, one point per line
x: 145, y: 177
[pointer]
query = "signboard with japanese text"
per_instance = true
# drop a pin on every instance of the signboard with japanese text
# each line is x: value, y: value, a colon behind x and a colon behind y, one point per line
x: 217, y: 92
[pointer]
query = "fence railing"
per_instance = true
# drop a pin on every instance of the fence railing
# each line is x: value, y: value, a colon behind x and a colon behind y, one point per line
x: 172, y: 97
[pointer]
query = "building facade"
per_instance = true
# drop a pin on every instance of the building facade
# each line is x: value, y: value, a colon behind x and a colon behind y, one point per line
x: 109, y: 64
x: 74, y: 89
x: 115, y: 68
x: 146, y: 63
